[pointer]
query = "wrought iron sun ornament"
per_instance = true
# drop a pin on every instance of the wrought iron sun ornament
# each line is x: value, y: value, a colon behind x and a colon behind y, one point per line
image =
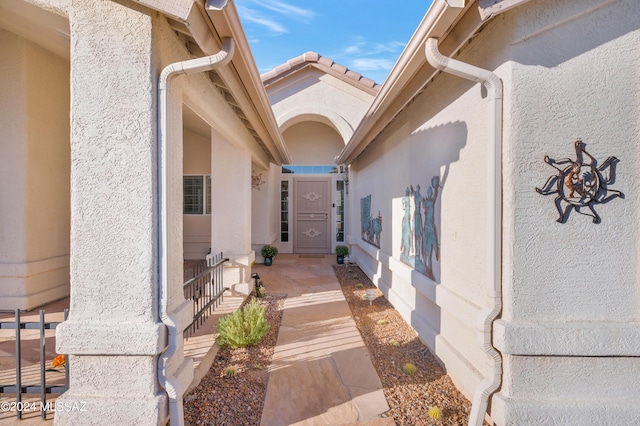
x: 256, y: 180
x: 581, y: 183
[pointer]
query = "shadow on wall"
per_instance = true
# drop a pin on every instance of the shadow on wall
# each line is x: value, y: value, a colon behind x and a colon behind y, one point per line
x: 584, y: 25
x: 434, y: 150
x: 423, y: 157
x: 290, y: 90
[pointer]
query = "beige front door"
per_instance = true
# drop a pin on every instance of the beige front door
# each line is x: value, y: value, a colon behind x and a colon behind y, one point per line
x: 312, y: 213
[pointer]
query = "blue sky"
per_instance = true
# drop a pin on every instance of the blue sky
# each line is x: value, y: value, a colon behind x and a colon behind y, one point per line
x: 366, y: 36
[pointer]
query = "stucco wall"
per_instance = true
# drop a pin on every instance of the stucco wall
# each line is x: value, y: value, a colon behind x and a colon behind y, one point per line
x: 265, y: 223
x: 196, y: 228
x: 587, y: 88
x: 310, y: 92
x: 568, y: 332
x: 311, y: 142
x: 231, y: 224
x: 442, y: 133
x: 12, y: 104
x: 571, y: 290
x: 35, y: 173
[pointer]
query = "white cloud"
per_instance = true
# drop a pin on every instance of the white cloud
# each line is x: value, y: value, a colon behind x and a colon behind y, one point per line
x: 287, y: 10
x: 352, y: 49
x: 252, y: 15
x: 261, y: 13
x: 364, y: 49
x: 362, y: 56
x: 370, y: 64
x: 389, y: 47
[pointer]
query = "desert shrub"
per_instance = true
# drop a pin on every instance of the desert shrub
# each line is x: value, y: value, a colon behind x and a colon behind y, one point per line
x: 243, y: 327
x: 394, y: 342
x: 360, y: 286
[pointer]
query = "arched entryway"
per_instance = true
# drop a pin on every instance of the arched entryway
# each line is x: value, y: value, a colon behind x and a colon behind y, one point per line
x: 312, y: 189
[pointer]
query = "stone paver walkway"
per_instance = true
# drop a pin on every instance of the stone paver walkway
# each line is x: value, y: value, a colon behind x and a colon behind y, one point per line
x: 321, y: 373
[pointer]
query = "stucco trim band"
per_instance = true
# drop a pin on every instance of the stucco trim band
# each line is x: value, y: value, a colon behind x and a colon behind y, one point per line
x: 511, y: 411
x: 108, y: 338
x: 579, y: 338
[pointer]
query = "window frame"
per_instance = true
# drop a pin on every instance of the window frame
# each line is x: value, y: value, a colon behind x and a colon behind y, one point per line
x: 204, y: 207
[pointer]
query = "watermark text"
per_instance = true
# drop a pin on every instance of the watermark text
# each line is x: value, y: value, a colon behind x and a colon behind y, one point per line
x: 25, y: 406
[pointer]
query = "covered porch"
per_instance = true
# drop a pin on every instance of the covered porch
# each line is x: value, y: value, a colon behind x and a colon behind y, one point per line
x: 199, y: 347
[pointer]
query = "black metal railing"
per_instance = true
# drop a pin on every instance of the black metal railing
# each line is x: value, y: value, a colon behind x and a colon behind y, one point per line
x: 18, y: 388
x: 205, y: 288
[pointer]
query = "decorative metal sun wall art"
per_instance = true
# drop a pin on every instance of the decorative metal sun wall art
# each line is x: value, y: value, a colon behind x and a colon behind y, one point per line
x: 581, y: 184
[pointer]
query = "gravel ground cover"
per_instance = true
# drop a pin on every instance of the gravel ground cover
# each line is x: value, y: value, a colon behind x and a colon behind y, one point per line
x: 392, y: 343
x: 226, y: 399
x: 238, y: 400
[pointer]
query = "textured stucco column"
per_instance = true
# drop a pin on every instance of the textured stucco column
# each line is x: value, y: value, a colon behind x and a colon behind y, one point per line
x: 231, y: 210
x: 569, y: 331
x: 113, y: 335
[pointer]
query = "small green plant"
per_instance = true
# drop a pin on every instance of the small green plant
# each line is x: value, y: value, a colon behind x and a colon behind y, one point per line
x: 342, y: 251
x: 355, y: 277
x: 260, y: 290
x: 230, y: 372
x: 244, y: 327
x: 382, y: 322
x: 269, y: 251
x: 409, y: 368
x: 394, y: 342
x: 363, y: 297
x: 359, y: 286
x: 435, y: 413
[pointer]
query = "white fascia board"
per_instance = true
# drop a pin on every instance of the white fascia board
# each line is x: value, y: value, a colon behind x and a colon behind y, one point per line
x: 490, y: 8
x: 437, y: 21
x: 176, y: 9
x: 227, y: 24
x: 443, y: 18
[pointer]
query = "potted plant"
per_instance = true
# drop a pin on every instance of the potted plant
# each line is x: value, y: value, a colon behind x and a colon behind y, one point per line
x: 268, y: 252
x: 341, y: 252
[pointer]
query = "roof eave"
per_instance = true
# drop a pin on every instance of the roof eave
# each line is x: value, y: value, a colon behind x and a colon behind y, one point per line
x: 325, y: 65
x: 208, y: 26
x: 454, y: 23
x: 262, y: 117
x: 436, y: 23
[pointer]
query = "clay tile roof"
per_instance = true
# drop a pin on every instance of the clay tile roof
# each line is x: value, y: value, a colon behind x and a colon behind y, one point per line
x: 324, y: 64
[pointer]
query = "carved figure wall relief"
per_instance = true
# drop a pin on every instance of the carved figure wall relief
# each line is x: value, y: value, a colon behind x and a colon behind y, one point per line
x: 370, y: 227
x: 419, y: 233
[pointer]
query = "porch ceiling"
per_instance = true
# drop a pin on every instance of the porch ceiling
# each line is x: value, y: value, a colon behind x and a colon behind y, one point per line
x: 190, y: 43
x: 44, y: 28
x: 202, y: 30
